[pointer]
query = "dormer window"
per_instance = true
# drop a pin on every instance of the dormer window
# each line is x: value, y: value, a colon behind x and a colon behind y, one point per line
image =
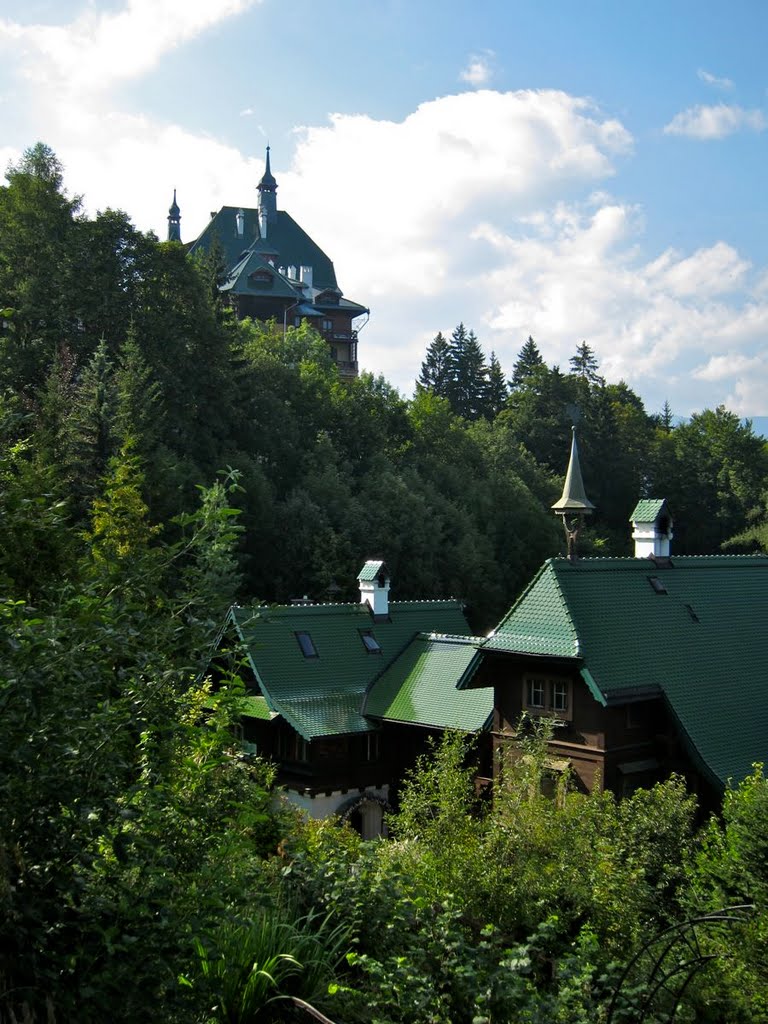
x: 262, y: 278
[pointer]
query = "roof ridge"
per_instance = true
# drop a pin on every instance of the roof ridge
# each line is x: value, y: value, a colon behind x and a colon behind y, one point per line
x: 455, y: 638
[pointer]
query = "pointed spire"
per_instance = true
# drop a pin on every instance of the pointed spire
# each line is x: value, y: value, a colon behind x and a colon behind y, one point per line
x: 174, y: 221
x: 268, y: 178
x: 574, y: 503
x: 574, y: 498
x: 267, y: 197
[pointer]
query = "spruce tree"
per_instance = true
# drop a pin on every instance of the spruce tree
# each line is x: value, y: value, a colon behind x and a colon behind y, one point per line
x: 497, y: 389
x: 138, y: 408
x: 89, y: 439
x: 584, y: 364
x: 437, y: 368
x: 528, y: 359
x: 469, y: 379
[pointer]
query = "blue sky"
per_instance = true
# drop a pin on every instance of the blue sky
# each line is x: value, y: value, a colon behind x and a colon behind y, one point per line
x: 591, y: 171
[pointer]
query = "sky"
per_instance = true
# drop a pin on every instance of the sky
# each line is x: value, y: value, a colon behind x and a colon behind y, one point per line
x: 575, y: 172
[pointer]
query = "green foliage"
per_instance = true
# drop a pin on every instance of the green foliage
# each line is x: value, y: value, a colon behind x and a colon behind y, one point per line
x: 528, y: 359
x: 437, y: 369
x: 127, y: 825
x: 731, y: 868
x: 246, y: 970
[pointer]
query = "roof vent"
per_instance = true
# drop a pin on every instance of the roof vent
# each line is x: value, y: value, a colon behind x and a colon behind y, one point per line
x: 652, y: 528
x: 658, y: 585
x: 374, y: 588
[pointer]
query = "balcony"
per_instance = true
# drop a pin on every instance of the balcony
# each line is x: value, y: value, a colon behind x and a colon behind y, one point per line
x: 346, y: 368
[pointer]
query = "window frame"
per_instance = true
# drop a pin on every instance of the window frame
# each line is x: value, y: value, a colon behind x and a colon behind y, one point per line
x: 310, y: 652
x: 554, y: 690
x: 368, y: 633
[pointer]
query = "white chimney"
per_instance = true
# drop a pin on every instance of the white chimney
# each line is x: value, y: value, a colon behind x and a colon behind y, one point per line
x: 240, y: 222
x: 292, y: 273
x: 374, y: 588
x: 306, y: 276
x: 652, y: 528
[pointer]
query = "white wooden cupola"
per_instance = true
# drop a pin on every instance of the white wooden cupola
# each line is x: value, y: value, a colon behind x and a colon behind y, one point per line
x: 652, y: 528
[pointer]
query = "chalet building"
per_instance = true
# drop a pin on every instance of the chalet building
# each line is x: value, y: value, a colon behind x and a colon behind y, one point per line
x: 274, y: 270
x: 645, y: 665
x: 343, y: 696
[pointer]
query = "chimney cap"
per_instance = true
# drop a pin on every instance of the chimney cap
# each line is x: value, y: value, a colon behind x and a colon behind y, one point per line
x: 374, y: 570
x: 648, y: 510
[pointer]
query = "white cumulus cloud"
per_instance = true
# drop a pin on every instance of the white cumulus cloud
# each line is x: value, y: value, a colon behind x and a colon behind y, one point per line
x: 478, y: 71
x: 715, y: 122
x: 102, y: 47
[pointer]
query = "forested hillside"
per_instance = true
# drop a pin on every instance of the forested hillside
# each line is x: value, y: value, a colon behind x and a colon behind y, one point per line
x: 159, y: 459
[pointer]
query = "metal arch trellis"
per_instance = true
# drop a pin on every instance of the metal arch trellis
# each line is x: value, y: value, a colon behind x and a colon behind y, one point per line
x: 676, y: 957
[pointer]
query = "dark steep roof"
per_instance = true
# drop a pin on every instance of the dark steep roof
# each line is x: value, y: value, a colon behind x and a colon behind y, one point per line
x: 291, y: 242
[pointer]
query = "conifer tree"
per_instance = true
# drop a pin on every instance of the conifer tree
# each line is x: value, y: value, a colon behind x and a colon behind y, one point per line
x: 497, y: 389
x: 528, y: 359
x: 469, y: 378
x: 437, y: 368
x: 585, y: 365
x: 89, y: 431
x: 138, y: 407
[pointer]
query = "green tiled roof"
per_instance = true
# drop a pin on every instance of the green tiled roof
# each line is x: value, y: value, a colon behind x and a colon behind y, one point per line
x: 647, y: 510
x: 238, y: 279
x: 703, y: 643
x: 252, y: 706
x: 370, y: 571
x: 419, y: 687
x: 323, y: 696
x: 292, y: 243
x: 539, y: 622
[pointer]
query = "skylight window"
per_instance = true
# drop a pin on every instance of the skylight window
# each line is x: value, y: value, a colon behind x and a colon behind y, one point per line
x: 658, y: 585
x: 307, y: 645
x: 370, y: 642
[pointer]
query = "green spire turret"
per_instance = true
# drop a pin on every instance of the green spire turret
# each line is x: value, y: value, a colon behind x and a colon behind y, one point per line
x: 574, y: 503
x: 574, y: 497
